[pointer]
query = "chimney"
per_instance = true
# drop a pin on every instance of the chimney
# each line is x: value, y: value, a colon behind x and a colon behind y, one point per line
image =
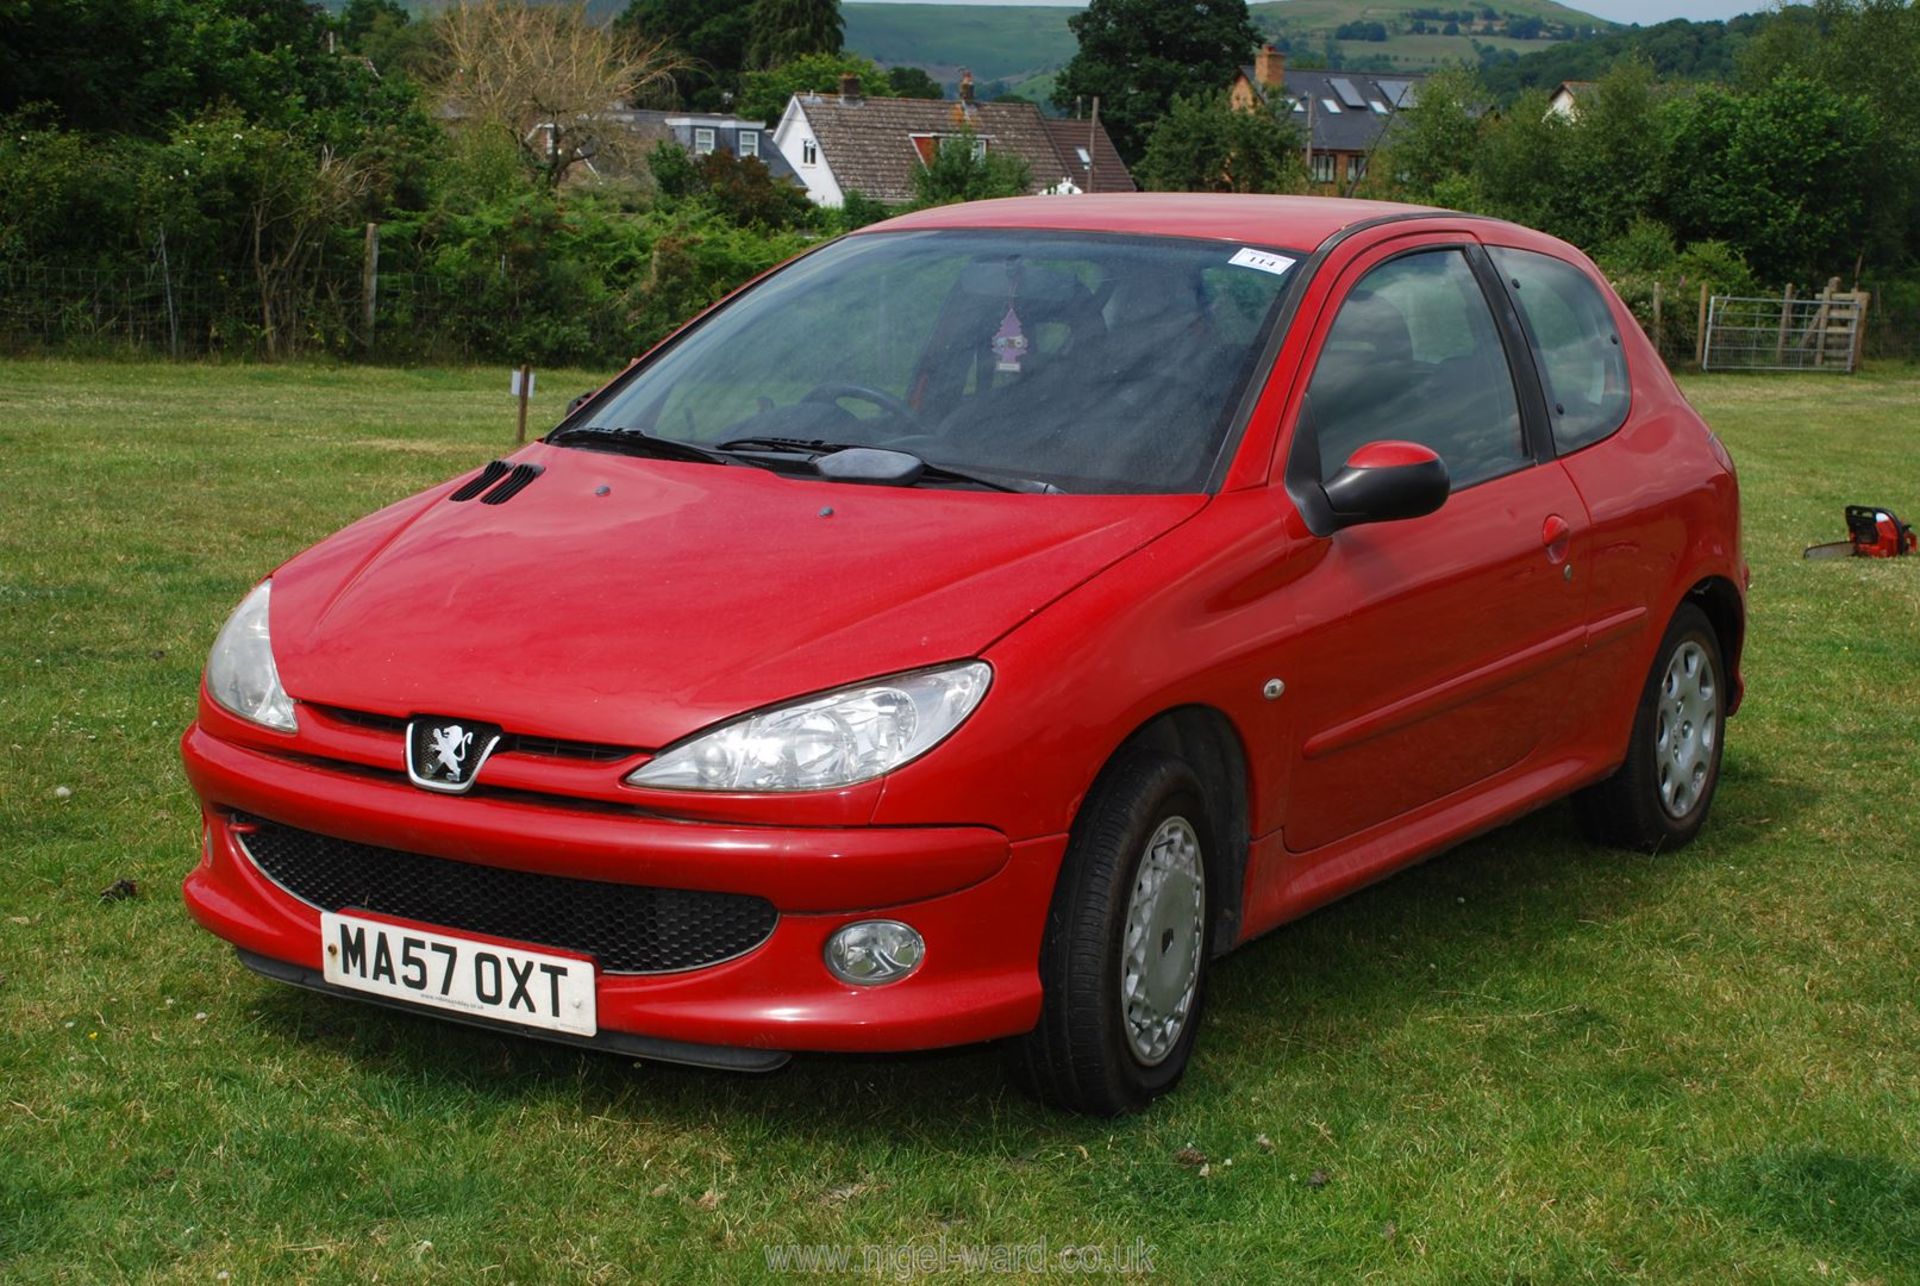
x: 966, y: 87
x: 849, y: 90
x: 1270, y: 68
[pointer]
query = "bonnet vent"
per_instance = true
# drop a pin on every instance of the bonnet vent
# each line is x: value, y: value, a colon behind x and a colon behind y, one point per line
x: 481, y: 481
x: 517, y: 480
x: 505, y: 481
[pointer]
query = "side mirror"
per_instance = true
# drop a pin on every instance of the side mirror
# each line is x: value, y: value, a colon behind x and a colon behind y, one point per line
x: 1386, y: 481
x: 580, y: 401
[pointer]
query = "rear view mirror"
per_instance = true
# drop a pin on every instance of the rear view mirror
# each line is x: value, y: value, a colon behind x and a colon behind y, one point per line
x: 1387, y: 481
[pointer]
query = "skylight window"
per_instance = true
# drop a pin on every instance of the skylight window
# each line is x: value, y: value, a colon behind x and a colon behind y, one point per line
x: 1399, y: 93
x: 1300, y: 104
x: 1330, y: 105
x: 1377, y: 106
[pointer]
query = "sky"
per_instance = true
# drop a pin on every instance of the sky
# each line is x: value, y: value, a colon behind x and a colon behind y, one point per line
x: 1648, y: 12
x: 1645, y: 12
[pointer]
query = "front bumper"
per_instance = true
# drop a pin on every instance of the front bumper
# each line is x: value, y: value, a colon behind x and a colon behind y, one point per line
x: 979, y: 901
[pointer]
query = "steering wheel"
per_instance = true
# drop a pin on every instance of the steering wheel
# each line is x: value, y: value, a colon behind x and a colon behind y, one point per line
x: 832, y: 391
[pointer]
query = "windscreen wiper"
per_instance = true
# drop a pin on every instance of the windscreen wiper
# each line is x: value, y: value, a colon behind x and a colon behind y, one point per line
x: 893, y: 470
x: 607, y: 437
x: 796, y: 446
x: 947, y: 473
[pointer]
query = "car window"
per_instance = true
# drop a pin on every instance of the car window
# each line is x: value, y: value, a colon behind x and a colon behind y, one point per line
x: 1580, y: 353
x: 1414, y: 355
x: 1091, y: 361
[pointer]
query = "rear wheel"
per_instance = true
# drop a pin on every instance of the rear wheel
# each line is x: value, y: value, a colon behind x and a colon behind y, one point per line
x: 1123, y: 965
x: 1660, y: 796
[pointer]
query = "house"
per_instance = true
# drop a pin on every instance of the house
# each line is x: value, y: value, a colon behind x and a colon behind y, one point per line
x: 1561, y: 103
x: 1344, y: 114
x: 847, y: 142
x: 1088, y: 156
x: 702, y: 133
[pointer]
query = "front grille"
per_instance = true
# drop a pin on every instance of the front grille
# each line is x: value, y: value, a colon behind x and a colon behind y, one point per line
x: 510, y: 743
x: 626, y: 928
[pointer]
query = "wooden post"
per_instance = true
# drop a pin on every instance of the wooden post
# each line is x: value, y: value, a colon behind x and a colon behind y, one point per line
x: 1093, y: 132
x: 526, y: 388
x: 1658, y: 347
x: 1780, y: 337
x: 1817, y: 333
x: 369, y: 285
x: 1862, y: 300
x: 1700, y: 336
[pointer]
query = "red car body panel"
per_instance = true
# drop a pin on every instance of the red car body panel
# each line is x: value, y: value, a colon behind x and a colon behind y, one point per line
x: 1442, y: 674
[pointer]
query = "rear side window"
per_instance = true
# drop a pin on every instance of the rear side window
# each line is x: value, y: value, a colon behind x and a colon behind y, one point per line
x: 1414, y: 355
x: 1580, y: 353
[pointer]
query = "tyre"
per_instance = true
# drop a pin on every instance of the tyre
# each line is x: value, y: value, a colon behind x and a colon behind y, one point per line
x: 1660, y: 796
x: 1123, y: 963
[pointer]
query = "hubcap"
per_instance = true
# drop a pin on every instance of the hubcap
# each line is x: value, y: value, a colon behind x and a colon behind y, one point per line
x: 1160, y: 952
x: 1685, y: 730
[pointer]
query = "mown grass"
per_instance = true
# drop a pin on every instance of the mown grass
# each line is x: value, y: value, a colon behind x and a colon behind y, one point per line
x: 1530, y: 1059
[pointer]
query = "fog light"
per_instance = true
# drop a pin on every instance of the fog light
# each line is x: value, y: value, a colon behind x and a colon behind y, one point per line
x: 874, y: 951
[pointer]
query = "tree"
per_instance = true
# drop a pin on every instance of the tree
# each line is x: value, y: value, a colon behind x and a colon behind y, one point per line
x: 1435, y: 138
x: 1204, y: 145
x: 386, y: 36
x: 1138, y: 54
x: 764, y: 94
x: 784, y: 30
x: 359, y: 17
x: 1869, y: 47
x: 1785, y: 174
x: 912, y: 82
x: 545, y: 76
x: 740, y: 189
x: 1613, y: 156
x: 711, y: 35
x: 963, y: 171
x: 1520, y: 162
x: 136, y: 66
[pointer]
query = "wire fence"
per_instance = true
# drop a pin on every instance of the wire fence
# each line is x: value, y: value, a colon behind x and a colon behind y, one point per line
x: 157, y: 313
x: 422, y: 317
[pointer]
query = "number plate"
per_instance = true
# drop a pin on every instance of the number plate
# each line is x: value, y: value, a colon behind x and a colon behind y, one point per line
x: 466, y: 975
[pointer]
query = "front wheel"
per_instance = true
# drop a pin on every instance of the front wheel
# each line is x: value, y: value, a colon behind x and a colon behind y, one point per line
x: 1660, y: 796
x: 1124, y: 961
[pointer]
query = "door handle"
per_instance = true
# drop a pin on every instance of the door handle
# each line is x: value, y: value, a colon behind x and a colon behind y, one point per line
x: 1556, y: 535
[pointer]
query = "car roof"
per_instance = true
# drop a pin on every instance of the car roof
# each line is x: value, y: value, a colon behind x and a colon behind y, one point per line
x: 1299, y: 222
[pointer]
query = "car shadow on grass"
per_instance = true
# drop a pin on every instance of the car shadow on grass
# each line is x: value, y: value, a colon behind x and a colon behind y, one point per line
x: 1470, y: 920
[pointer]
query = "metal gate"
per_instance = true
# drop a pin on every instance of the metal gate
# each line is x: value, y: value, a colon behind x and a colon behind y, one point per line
x: 1786, y: 334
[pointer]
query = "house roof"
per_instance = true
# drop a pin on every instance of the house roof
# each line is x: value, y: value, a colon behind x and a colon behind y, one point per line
x: 1354, y: 123
x: 868, y: 142
x: 1071, y: 137
x: 649, y: 124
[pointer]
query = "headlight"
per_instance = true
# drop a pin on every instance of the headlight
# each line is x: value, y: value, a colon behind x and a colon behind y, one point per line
x: 240, y: 671
x: 843, y: 737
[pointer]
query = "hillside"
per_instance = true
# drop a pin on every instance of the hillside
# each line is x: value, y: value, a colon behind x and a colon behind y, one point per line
x: 1017, y: 44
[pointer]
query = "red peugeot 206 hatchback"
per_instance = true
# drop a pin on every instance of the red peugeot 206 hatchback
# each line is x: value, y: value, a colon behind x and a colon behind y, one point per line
x: 976, y: 626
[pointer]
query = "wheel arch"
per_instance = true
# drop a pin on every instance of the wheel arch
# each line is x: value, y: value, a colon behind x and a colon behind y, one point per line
x: 1720, y: 599
x: 1207, y: 740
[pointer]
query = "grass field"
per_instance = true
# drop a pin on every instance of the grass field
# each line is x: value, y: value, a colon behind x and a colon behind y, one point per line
x: 1527, y: 1060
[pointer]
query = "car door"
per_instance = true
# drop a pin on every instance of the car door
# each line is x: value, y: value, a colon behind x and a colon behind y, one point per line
x: 1433, y: 650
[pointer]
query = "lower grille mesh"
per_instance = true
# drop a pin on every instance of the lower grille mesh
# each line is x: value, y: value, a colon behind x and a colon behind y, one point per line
x: 627, y: 928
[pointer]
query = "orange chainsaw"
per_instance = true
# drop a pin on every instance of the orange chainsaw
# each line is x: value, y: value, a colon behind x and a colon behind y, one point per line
x: 1872, y: 532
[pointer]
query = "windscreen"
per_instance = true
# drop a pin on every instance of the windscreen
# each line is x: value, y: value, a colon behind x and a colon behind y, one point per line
x: 1092, y: 363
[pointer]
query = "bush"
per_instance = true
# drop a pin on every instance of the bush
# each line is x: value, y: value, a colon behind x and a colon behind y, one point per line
x: 739, y: 189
